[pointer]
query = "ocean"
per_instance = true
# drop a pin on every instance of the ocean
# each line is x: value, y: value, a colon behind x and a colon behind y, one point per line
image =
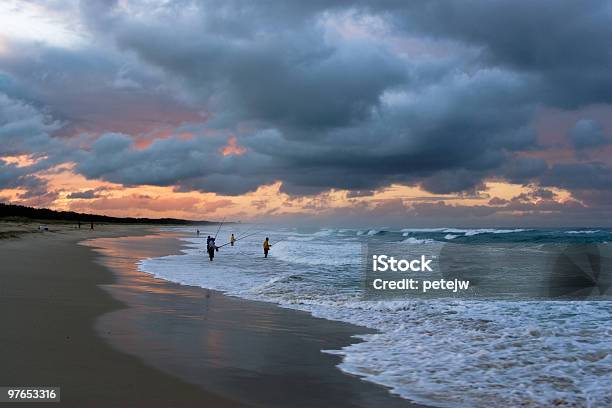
x: 445, y: 352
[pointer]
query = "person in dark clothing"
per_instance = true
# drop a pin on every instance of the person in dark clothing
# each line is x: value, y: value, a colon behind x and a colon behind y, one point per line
x: 211, y: 248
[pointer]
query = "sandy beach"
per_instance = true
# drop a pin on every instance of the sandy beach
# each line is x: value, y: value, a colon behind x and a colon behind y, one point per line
x: 50, y: 299
x: 122, y: 338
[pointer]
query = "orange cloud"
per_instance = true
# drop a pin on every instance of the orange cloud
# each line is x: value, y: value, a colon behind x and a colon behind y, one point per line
x: 22, y: 160
x: 212, y: 206
x: 262, y: 204
x: 233, y: 148
x: 136, y: 202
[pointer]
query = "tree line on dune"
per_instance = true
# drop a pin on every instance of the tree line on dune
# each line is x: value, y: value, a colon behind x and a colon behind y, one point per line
x: 20, y: 211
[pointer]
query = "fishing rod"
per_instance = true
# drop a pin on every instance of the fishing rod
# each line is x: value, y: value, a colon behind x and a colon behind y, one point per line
x: 279, y: 241
x: 245, y: 232
x: 238, y: 239
x: 219, y: 229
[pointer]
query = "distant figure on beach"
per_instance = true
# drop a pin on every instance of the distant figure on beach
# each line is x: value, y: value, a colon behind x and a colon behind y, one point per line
x: 211, y: 247
x: 79, y: 223
x: 92, y: 225
x: 232, y: 240
x: 198, y: 233
x: 266, y: 247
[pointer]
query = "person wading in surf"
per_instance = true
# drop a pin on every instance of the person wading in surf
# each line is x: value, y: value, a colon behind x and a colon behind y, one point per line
x: 232, y: 240
x: 211, y: 248
x: 266, y: 247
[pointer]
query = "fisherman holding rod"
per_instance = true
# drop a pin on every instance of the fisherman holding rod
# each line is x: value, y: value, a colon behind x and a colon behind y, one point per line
x: 239, y: 238
x: 211, y: 247
x: 266, y: 247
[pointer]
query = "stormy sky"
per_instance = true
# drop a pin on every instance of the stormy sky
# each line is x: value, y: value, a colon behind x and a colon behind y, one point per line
x: 482, y: 112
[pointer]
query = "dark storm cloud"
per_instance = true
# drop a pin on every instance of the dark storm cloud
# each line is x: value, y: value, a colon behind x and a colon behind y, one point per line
x: 25, y: 129
x: 453, y: 181
x: 597, y: 198
x: 196, y: 163
x: 12, y: 176
x: 421, y: 138
x: 291, y: 79
x: 588, y: 133
x: 86, y: 195
x: 91, y: 88
x: 522, y: 170
x: 579, y: 176
x: 324, y: 110
x: 565, y: 45
x: 339, y: 114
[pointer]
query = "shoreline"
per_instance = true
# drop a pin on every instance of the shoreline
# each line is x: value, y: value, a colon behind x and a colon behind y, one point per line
x: 148, y: 342
x: 258, y: 352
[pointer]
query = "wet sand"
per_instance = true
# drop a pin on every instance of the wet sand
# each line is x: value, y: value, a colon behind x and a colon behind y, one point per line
x: 49, y: 301
x: 133, y: 340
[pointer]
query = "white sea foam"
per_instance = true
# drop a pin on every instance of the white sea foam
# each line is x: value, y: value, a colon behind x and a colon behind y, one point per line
x: 324, y: 233
x: 444, y: 353
x: 582, y: 232
x: 480, y: 354
x: 310, y: 238
x: 413, y: 240
x: 408, y: 230
x: 471, y: 232
x: 466, y: 232
x: 450, y: 236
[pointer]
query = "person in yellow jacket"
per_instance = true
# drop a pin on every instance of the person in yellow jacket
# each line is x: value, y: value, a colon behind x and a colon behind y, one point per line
x: 232, y: 240
x: 266, y: 247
